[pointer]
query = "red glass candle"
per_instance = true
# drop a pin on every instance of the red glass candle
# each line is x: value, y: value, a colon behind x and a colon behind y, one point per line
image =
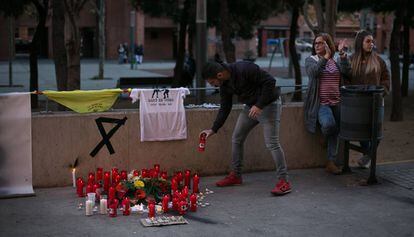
x: 106, y: 181
x: 111, y: 193
x: 114, y: 173
x: 164, y: 175
x: 144, y: 173
x: 174, y: 184
x: 95, y: 187
x: 187, y: 178
x: 99, y: 173
x: 151, y: 210
x: 124, y: 175
x: 80, y: 188
x: 126, y: 207
x: 175, y: 201
x: 193, y: 202
x: 113, y: 208
x: 78, y: 180
x: 184, y: 193
x: 157, y: 167
x: 182, y: 207
x: 179, y: 176
x: 89, y: 188
x: 91, y: 178
x: 117, y: 179
x: 196, y: 181
x: 136, y: 173
x: 165, y: 201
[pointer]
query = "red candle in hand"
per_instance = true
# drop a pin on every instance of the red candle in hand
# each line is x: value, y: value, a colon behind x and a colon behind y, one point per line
x: 165, y: 201
x: 193, y: 202
x: 151, y: 210
x: 196, y: 181
x: 99, y: 173
x: 106, y: 181
x: 187, y: 178
x: 136, y: 173
x: 112, y: 193
x: 202, y: 142
x: 126, y: 206
x: 124, y: 175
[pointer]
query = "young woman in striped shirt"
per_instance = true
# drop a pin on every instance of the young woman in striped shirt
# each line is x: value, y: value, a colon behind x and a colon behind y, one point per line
x: 323, y: 97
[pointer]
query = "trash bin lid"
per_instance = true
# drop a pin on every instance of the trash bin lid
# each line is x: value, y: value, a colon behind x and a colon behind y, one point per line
x: 364, y: 89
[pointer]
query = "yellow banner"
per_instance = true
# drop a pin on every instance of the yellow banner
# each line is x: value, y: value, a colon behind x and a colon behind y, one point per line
x: 87, y: 101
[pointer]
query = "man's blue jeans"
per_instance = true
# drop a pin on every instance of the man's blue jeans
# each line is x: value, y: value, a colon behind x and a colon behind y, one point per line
x: 270, y: 119
x: 328, y: 117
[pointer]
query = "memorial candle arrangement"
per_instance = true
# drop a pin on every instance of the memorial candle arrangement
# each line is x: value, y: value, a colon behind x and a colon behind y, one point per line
x: 113, y: 189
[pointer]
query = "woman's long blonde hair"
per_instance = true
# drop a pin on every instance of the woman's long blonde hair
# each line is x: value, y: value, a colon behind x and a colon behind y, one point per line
x: 372, y: 62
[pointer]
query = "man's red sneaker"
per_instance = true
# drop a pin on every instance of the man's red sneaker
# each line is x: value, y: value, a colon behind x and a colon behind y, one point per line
x: 282, y: 187
x: 230, y: 180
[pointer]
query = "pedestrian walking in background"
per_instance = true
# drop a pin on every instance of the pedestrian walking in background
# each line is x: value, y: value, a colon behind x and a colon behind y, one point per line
x: 256, y: 89
x: 322, y: 104
x: 364, y: 67
x: 121, y: 54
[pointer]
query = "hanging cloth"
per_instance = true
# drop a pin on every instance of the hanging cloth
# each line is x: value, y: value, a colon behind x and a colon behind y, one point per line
x: 85, y: 101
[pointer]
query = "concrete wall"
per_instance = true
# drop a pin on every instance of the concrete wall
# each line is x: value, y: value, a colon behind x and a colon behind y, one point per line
x: 59, y: 138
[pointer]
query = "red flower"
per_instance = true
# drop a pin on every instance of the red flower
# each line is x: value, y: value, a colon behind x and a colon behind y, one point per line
x: 140, y: 194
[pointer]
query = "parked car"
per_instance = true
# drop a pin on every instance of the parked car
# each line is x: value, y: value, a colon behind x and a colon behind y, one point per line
x: 303, y: 45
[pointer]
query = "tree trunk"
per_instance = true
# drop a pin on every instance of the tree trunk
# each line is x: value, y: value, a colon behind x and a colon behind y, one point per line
x: 11, y: 48
x: 59, y: 50
x: 101, y: 38
x: 331, y: 12
x: 228, y: 46
x: 406, y: 53
x: 35, y: 46
x: 397, y: 112
x: 73, y: 48
x: 319, y: 15
x: 179, y: 64
x: 297, y: 96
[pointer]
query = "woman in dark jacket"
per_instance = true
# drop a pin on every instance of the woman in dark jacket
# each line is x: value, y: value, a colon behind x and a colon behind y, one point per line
x: 364, y: 67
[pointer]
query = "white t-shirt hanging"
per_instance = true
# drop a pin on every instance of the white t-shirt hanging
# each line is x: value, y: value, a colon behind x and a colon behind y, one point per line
x: 161, y: 113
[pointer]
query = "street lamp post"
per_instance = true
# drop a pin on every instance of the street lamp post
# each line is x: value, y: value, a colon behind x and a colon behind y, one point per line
x: 201, y: 27
x: 131, y: 39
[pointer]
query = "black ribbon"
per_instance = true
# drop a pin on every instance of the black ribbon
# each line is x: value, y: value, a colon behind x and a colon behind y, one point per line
x: 106, y: 136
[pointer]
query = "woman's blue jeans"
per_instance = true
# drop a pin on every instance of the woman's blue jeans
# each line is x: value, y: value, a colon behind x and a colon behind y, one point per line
x: 328, y: 117
x: 270, y: 120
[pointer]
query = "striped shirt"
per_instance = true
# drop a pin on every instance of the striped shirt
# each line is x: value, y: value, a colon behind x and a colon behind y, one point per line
x: 329, y: 84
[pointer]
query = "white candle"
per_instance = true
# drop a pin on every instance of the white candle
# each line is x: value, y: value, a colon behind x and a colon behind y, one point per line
x: 103, y: 206
x: 89, y: 208
x: 74, y: 177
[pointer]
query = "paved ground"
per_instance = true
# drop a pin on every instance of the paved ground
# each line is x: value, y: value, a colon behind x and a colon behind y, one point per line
x: 320, y: 205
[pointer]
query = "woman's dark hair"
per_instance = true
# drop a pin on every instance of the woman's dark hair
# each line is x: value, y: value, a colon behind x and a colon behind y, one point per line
x: 210, y: 69
x: 328, y: 39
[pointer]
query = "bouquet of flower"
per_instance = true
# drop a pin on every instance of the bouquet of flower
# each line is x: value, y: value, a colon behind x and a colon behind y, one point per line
x: 143, y: 189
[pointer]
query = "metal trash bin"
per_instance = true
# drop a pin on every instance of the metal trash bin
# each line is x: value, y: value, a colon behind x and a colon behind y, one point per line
x: 357, y: 111
x: 362, y: 116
